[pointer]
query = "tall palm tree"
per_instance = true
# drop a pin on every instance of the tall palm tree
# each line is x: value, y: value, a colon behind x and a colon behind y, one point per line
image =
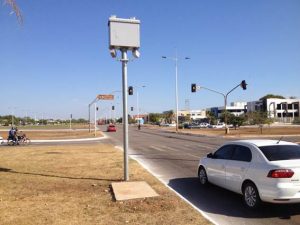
x: 13, y: 4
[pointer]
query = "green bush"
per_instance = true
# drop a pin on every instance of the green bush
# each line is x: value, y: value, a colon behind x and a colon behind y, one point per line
x: 296, y: 121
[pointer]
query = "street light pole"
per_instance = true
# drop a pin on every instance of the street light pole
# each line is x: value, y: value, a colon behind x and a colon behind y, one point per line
x: 95, y: 122
x: 113, y: 114
x: 137, y: 102
x: 176, y: 89
x: 176, y: 84
x: 71, y: 121
x: 89, y: 118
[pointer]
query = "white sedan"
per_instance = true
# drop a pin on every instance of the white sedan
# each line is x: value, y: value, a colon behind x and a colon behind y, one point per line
x: 260, y: 170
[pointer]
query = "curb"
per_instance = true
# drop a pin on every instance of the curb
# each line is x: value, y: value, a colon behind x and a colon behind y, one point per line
x: 147, y: 168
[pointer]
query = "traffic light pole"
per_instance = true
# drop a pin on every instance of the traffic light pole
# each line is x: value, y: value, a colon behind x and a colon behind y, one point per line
x: 124, y: 61
x: 225, y: 100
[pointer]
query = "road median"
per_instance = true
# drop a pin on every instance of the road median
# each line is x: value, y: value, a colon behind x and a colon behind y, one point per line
x: 71, y: 185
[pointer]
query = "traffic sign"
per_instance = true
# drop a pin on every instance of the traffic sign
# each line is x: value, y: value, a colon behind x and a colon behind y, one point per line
x: 105, y: 97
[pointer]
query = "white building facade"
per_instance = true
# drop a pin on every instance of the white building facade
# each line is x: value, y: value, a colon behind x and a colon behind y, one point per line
x: 282, y: 110
x: 193, y: 114
x: 236, y: 108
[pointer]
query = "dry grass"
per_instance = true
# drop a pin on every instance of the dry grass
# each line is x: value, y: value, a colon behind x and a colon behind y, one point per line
x: 71, y: 185
x: 58, y: 134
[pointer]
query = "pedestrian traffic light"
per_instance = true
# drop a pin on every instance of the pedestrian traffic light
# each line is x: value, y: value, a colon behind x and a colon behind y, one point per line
x: 131, y: 108
x: 130, y: 90
x: 113, y: 107
x: 194, y: 87
x: 244, y: 85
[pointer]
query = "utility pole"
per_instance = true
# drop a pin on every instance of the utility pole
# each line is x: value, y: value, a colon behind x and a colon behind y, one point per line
x: 124, y: 35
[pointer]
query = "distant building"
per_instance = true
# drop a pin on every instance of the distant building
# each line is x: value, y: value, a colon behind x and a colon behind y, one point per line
x: 236, y: 108
x: 193, y: 114
x: 282, y: 110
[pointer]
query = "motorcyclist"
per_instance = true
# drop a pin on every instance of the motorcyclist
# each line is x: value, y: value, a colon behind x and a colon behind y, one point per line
x: 12, y: 134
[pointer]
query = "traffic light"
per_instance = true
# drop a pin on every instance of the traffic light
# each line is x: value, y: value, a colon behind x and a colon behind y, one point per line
x: 131, y: 108
x: 97, y: 108
x: 244, y: 85
x: 194, y: 87
x: 113, y: 107
x: 130, y: 90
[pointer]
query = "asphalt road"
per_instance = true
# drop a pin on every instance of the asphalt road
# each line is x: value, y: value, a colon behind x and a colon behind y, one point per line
x: 174, y: 159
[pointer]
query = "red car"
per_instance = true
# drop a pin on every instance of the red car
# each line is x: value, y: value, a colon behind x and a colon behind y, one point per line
x: 111, y: 128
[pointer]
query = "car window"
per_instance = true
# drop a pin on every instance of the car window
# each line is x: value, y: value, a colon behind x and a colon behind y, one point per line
x: 281, y: 152
x: 224, y: 152
x: 242, y: 153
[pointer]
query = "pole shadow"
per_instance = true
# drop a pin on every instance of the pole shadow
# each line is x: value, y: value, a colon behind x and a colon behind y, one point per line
x: 6, y: 170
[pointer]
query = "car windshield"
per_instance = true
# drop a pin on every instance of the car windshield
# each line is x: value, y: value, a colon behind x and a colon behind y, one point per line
x: 281, y: 152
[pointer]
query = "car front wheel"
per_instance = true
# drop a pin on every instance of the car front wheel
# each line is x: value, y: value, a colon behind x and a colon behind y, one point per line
x: 202, y: 176
x: 250, y: 196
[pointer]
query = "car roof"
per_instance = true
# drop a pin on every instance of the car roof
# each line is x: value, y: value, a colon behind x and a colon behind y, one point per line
x: 262, y: 142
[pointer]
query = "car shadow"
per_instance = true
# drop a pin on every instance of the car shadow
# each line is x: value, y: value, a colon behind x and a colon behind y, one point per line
x: 216, y: 200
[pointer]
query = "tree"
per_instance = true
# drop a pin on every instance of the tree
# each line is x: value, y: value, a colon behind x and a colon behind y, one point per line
x: 155, y: 117
x: 271, y: 96
x: 211, y: 117
x: 237, y: 121
x: 258, y: 118
x: 183, y: 119
x: 169, y: 116
x: 13, y: 4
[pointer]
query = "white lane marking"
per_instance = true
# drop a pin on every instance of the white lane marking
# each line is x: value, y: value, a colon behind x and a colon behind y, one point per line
x: 181, y: 151
x: 147, y: 167
x: 159, y: 177
x: 157, y: 148
x: 203, y: 146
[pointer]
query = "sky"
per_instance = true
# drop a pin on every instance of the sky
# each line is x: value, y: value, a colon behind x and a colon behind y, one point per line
x: 58, y: 60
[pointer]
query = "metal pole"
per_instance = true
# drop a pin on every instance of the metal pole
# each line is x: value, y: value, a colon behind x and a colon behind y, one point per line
x: 71, y: 122
x: 95, y: 118
x: 176, y: 91
x: 137, y: 105
x: 89, y: 118
x: 125, y: 113
x: 225, y: 114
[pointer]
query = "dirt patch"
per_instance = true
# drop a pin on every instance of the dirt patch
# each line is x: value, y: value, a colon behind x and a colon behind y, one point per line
x: 57, y: 134
x: 71, y: 185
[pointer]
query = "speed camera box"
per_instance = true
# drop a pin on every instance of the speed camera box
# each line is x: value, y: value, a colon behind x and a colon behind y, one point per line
x: 124, y: 33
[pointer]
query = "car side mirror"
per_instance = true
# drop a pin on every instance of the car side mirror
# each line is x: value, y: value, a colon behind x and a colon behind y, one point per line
x: 210, y: 155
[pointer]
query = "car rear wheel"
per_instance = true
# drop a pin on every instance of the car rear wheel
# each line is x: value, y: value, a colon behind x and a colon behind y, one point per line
x: 202, y: 176
x: 251, y: 196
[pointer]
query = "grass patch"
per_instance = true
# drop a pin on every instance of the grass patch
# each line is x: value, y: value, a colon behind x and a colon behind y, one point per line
x: 70, y: 184
x: 57, y: 134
